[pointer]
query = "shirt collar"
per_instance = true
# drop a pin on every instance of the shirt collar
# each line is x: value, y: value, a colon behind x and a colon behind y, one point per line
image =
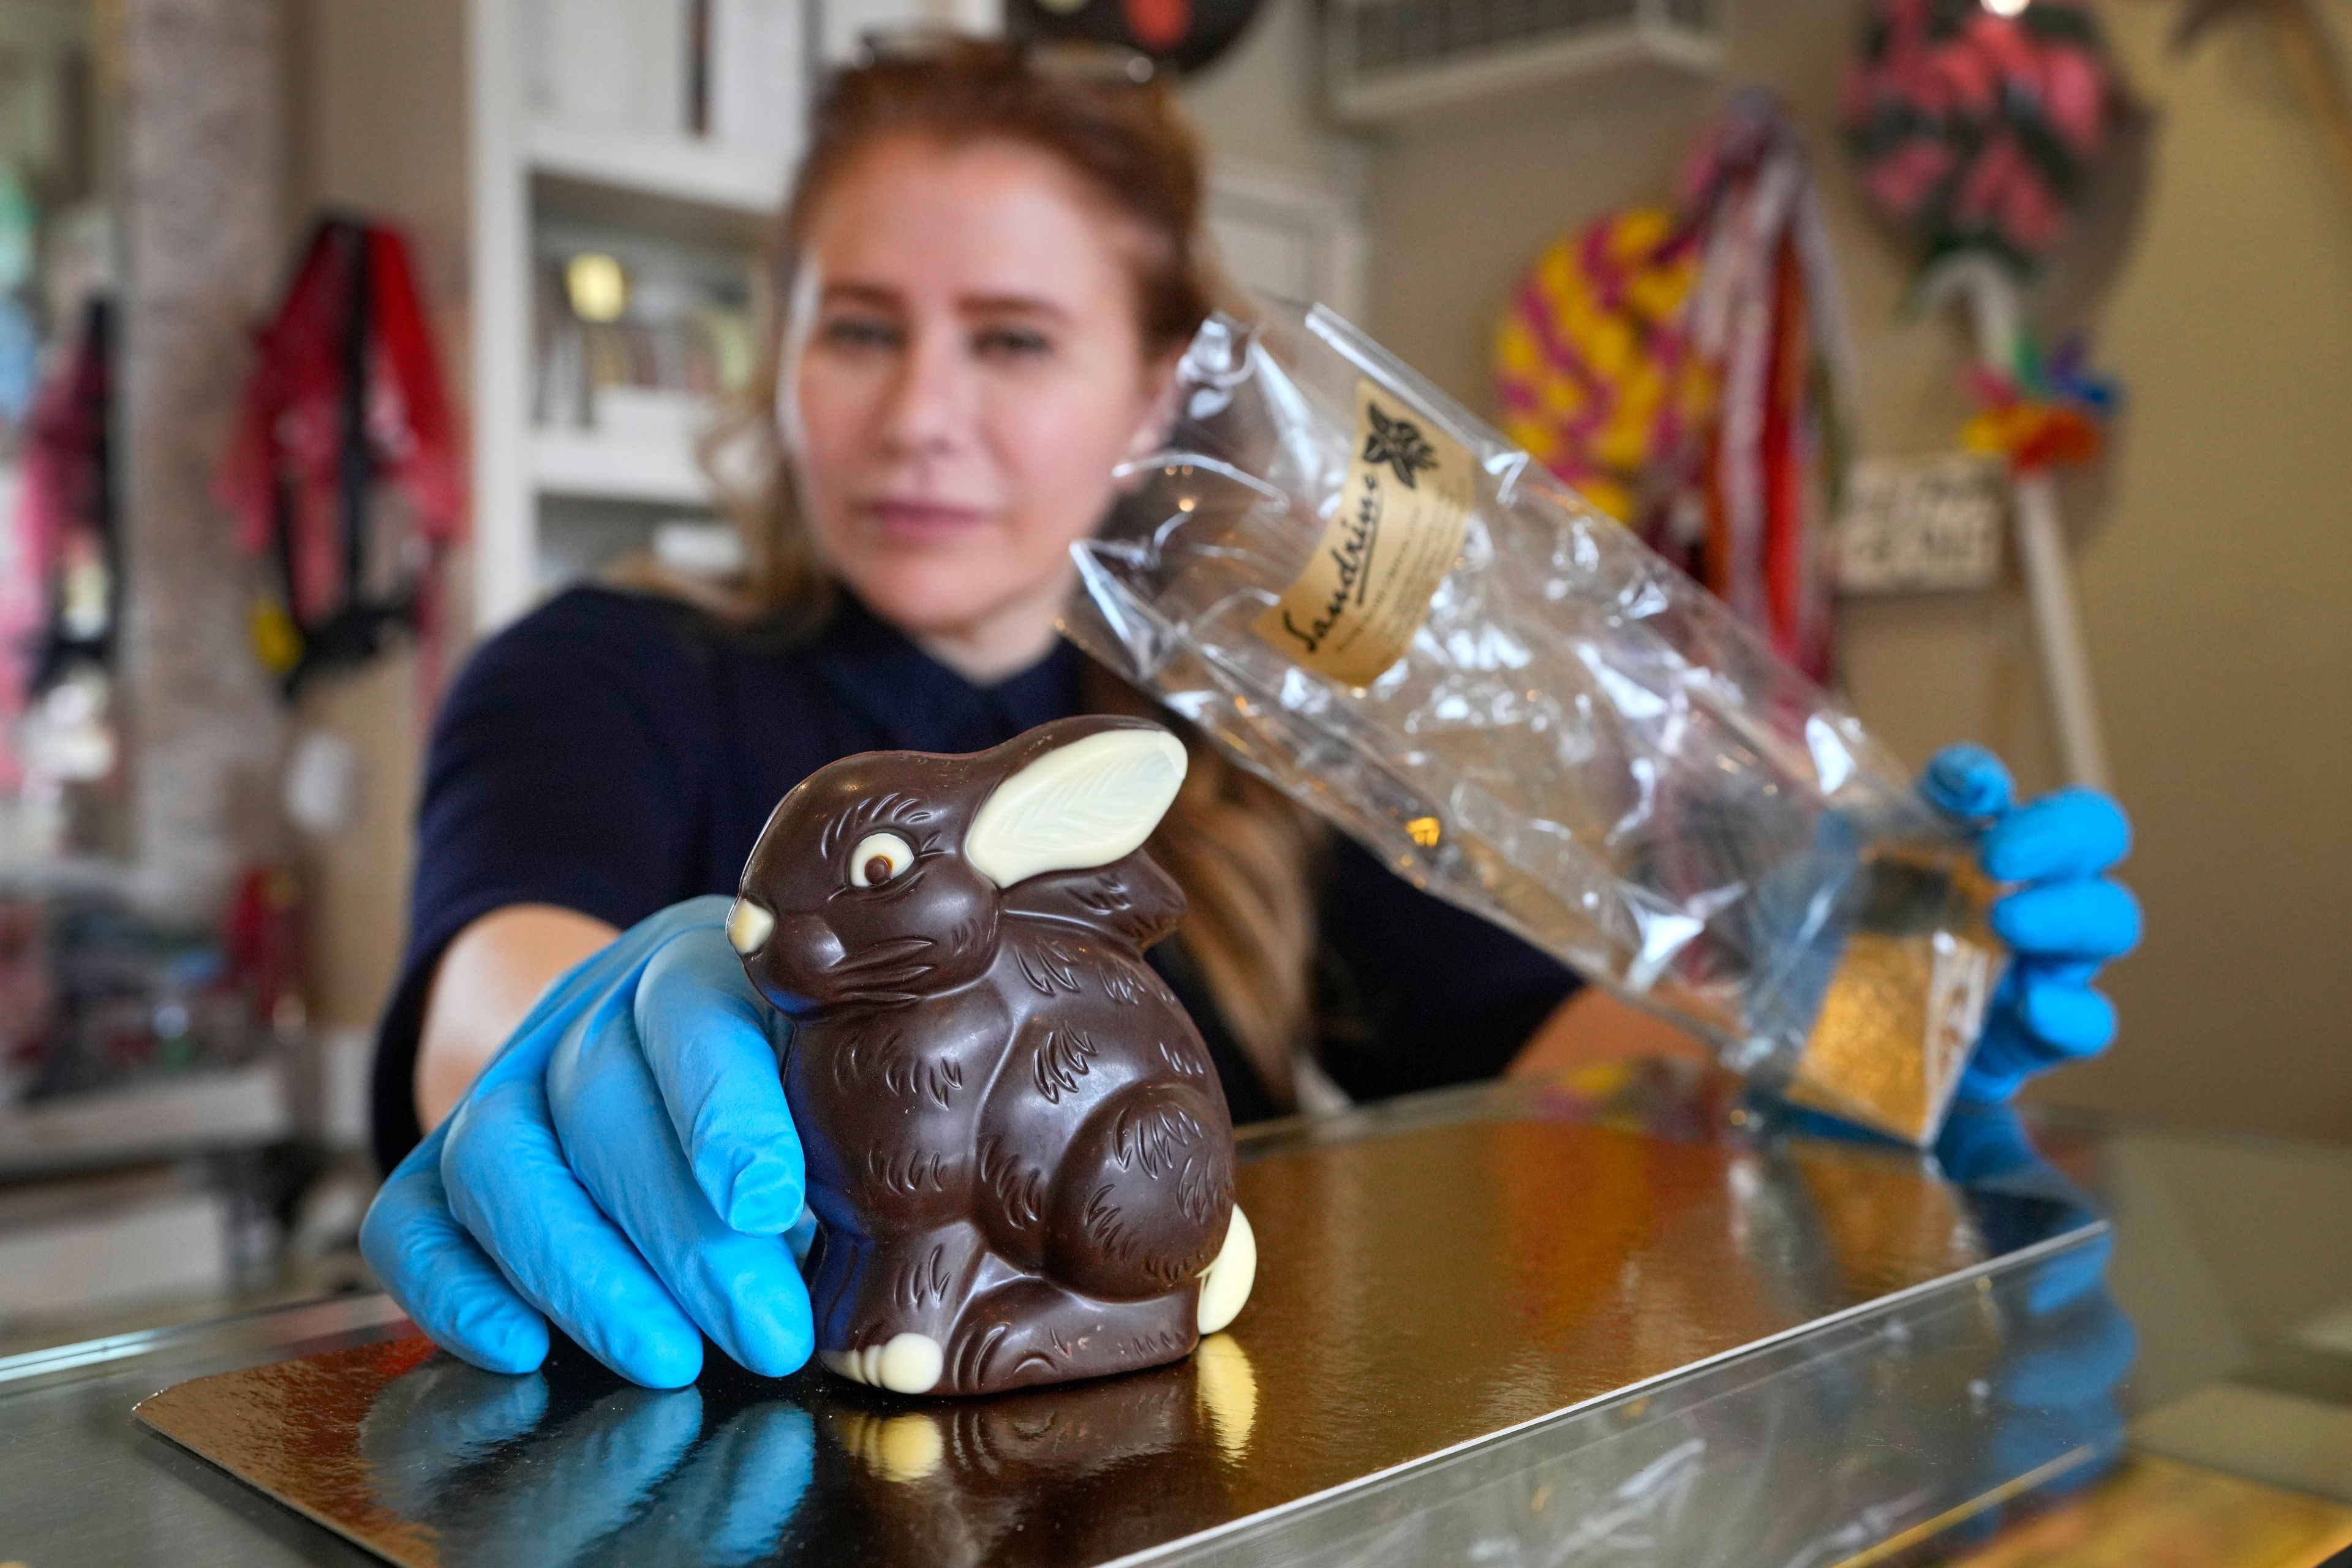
x: 920, y: 704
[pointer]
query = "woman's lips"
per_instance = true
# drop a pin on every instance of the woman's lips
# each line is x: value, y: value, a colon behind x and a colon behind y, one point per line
x: 918, y: 522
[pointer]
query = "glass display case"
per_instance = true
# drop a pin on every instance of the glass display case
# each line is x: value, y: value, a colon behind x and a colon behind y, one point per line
x: 1637, y: 1320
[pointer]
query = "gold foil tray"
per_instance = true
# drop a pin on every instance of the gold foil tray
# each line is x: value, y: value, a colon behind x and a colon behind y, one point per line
x: 1425, y: 1286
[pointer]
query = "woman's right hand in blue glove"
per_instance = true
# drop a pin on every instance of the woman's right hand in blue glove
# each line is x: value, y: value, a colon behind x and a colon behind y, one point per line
x: 625, y: 1168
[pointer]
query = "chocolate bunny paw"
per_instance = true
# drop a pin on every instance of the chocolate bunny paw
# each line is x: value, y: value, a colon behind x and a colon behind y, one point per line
x: 1029, y: 1331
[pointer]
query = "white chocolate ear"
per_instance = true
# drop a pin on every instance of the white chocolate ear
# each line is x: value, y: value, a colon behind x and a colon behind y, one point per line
x: 1086, y: 804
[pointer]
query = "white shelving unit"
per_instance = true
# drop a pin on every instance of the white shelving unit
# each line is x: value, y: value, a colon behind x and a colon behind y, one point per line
x: 523, y: 165
x: 527, y: 168
x: 679, y: 168
x: 241, y: 1107
x: 588, y: 466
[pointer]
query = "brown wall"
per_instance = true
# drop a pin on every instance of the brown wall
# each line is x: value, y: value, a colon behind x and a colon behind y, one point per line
x: 2213, y: 550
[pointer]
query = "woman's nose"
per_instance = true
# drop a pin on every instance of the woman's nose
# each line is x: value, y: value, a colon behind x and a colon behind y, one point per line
x: 931, y: 405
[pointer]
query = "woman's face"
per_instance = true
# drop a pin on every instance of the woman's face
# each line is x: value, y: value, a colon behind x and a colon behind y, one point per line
x: 972, y: 370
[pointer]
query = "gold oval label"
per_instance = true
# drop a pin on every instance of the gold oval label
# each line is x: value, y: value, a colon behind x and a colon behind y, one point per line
x: 1390, y: 542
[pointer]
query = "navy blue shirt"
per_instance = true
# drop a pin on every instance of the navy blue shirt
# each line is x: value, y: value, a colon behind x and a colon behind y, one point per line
x: 615, y: 753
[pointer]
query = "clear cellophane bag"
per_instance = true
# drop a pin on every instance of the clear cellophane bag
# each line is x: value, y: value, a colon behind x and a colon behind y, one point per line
x: 1366, y: 597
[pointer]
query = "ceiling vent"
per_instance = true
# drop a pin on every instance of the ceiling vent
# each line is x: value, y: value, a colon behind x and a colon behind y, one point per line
x: 1386, y: 58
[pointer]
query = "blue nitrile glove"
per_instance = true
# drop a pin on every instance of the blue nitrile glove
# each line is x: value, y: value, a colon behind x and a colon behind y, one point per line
x: 625, y: 1166
x: 2056, y: 1391
x: 2061, y: 925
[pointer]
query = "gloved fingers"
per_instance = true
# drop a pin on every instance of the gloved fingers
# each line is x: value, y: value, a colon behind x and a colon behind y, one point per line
x: 2043, y: 969
x: 705, y: 1034
x: 1966, y: 781
x: 2036, y: 1024
x: 743, y: 1290
x: 567, y: 997
x: 508, y: 1184
x: 2070, y: 1020
x: 595, y: 981
x: 2080, y: 919
x: 439, y: 1275
x: 1988, y: 1079
x: 2071, y: 833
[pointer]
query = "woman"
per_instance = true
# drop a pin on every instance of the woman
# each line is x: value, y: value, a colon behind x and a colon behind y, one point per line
x: 991, y: 268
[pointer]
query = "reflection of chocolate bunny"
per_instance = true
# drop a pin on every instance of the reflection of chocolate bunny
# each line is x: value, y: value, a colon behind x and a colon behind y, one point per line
x: 1087, y: 1474
x: 1019, y: 1156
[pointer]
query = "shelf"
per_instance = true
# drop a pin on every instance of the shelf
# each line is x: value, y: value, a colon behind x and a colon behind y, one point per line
x: 238, y: 1109
x: 661, y: 470
x: 69, y: 876
x: 673, y: 168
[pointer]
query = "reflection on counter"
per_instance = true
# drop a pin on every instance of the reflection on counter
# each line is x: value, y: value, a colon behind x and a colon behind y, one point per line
x: 1974, y: 1424
x: 566, y: 1467
x: 1501, y: 1304
x: 1943, y: 1414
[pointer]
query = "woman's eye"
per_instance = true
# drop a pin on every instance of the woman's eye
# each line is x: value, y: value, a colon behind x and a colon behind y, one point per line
x: 1012, y: 343
x: 878, y: 857
x: 860, y: 333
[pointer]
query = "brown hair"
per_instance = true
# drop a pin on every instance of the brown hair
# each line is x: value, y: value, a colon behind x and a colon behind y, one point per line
x: 1241, y: 852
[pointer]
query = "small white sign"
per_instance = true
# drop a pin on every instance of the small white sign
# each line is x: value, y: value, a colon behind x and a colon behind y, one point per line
x: 1917, y: 525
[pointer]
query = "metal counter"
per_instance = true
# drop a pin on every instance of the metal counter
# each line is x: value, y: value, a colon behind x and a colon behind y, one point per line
x: 1500, y: 1325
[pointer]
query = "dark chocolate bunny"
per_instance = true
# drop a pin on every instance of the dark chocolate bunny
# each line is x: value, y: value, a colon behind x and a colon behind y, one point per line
x: 1019, y: 1156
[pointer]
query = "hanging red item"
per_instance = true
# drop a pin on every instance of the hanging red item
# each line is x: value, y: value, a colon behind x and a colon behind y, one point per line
x: 1767, y: 314
x: 346, y: 391
x: 263, y: 944
x: 60, y: 599
x: 1687, y: 372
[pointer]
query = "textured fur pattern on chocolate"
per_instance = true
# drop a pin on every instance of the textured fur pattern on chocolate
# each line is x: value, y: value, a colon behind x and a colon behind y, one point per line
x: 1019, y: 1158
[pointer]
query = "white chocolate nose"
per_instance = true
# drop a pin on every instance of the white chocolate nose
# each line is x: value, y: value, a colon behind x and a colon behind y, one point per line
x: 747, y: 926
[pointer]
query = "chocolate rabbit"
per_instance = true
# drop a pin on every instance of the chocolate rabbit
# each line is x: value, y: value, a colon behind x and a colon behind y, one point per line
x: 1019, y: 1156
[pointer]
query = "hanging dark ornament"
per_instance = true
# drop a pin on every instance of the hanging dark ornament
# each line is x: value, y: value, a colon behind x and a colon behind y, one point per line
x: 1184, y: 34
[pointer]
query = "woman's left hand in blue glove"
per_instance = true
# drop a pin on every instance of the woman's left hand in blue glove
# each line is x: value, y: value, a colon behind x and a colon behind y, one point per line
x: 2065, y: 920
x: 625, y: 1169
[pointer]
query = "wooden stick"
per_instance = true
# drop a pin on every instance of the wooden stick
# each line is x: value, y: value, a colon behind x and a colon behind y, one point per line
x: 1990, y: 296
x: 2057, y: 630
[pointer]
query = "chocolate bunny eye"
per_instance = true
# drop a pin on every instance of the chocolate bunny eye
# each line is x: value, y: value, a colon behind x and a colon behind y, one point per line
x: 878, y: 857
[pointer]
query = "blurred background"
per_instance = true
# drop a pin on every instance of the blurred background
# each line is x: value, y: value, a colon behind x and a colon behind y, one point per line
x: 543, y: 220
